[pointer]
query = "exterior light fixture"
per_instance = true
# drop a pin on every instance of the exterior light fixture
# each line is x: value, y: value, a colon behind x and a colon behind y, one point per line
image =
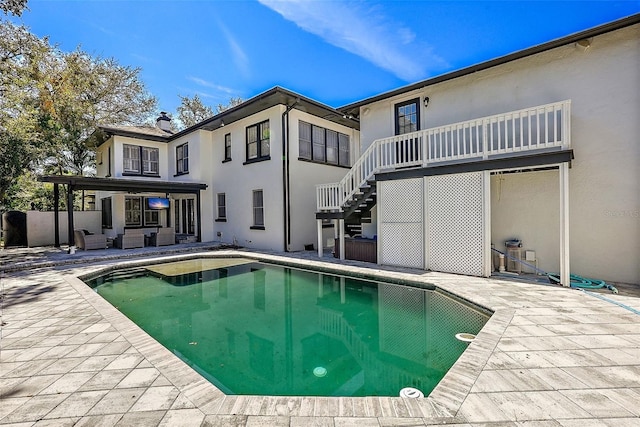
x: 221, y: 123
x: 583, y: 44
x: 426, y: 101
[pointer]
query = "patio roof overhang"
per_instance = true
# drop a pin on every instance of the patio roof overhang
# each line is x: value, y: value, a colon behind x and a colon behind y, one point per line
x: 113, y: 184
x: 129, y: 185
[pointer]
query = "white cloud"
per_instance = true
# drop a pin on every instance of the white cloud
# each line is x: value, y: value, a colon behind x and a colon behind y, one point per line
x: 240, y: 58
x: 206, y: 83
x: 363, y: 30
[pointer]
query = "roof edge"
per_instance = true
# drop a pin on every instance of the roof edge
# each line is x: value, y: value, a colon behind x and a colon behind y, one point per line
x: 572, y: 38
x: 270, y: 92
x: 109, y: 130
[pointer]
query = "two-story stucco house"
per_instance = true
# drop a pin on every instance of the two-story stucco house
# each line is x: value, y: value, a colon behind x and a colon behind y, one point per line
x: 542, y: 145
x: 244, y: 176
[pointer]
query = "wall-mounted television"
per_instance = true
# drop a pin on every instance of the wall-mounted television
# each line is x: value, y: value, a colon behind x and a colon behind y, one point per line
x: 157, y: 203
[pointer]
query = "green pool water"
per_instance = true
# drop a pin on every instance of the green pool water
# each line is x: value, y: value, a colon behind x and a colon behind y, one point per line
x: 262, y: 329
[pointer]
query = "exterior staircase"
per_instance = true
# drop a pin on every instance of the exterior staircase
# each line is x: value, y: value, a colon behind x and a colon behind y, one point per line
x: 357, y: 210
x: 544, y: 127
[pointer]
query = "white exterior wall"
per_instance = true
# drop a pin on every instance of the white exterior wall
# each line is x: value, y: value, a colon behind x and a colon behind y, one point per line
x: 238, y: 181
x: 305, y: 175
x: 201, y: 170
x: 103, y: 157
x: 603, y: 83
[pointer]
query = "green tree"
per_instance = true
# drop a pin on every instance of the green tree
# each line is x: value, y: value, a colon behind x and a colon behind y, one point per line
x: 80, y: 92
x: 14, y: 7
x: 51, y: 101
x: 233, y: 101
x: 21, y: 142
x: 192, y: 111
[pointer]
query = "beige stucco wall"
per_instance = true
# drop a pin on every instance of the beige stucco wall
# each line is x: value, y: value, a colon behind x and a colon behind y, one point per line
x: 603, y: 83
x: 526, y: 206
x: 40, y: 226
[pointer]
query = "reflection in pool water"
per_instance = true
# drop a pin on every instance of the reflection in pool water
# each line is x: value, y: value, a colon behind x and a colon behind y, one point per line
x: 255, y: 328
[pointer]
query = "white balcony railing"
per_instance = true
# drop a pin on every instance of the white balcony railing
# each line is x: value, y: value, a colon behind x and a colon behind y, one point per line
x: 542, y: 127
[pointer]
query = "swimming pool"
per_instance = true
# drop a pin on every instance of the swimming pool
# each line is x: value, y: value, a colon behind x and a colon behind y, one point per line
x: 256, y: 328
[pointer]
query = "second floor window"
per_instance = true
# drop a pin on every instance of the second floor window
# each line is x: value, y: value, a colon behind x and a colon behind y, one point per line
x: 258, y: 140
x: 407, y: 116
x: 182, y: 159
x: 227, y: 147
x: 323, y: 145
x: 140, y: 160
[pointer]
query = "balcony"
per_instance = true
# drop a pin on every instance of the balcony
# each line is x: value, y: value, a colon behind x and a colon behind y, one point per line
x: 545, y: 127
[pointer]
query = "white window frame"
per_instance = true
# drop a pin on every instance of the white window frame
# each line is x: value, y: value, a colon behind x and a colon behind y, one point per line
x: 131, y: 158
x: 222, y: 207
x: 258, y: 208
x: 150, y: 165
x: 182, y: 159
x: 131, y: 212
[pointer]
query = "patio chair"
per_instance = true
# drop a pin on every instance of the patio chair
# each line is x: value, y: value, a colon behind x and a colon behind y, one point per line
x: 164, y: 236
x: 132, y: 238
x: 87, y: 241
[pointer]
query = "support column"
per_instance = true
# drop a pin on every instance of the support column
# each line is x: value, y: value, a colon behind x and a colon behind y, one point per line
x: 341, y: 227
x: 199, y: 217
x: 56, y: 211
x: 319, y: 221
x: 70, y: 214
x: 486, y: 223
x: 564, y: 225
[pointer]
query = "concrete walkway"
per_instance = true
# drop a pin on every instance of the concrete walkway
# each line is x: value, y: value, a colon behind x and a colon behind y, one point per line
x: 549, y: 356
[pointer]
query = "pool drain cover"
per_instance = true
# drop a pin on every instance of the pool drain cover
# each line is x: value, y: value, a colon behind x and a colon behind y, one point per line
x: 411, y: 392
x: 465, y: 337
x: 320, y: 371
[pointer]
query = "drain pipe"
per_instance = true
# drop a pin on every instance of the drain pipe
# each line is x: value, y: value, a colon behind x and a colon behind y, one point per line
x: 286, y: 199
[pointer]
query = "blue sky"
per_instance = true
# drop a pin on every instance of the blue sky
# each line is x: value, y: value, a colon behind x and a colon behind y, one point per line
x: 336, y: 52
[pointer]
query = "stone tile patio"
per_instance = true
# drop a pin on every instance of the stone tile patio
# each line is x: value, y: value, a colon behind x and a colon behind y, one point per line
x: 549, y: 356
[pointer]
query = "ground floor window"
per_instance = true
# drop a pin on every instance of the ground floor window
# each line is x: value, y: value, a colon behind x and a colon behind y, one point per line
x: 107, y: 217
x: 151, y: 217
x: 135, y: 214
x: 258, y: 209
x: 222, y: 206
x: 185, y: 216
x: 132, y: 211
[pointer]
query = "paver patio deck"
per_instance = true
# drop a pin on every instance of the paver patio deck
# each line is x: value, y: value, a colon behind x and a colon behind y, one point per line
x: 549, y: 356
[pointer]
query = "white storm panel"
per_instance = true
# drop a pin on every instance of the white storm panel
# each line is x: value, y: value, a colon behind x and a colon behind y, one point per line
x: 401, y: 230
x: 455, y: 223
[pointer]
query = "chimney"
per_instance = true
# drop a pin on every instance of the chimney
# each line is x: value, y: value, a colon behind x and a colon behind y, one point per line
x: 164, y: 122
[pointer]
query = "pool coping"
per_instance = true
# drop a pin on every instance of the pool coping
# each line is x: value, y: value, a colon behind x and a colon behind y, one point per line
x: 442, y: 403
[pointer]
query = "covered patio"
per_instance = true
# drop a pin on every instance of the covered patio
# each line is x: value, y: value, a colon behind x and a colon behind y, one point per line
x: 132, y: 186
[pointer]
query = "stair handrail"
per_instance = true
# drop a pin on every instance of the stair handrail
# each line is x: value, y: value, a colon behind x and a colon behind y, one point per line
x: 476, y: 138
x: 336, y: 194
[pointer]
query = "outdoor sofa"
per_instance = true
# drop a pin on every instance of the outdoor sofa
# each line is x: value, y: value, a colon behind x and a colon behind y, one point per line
x: 132, y: 238
x: 164, y: 236
x: 87, y: 241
